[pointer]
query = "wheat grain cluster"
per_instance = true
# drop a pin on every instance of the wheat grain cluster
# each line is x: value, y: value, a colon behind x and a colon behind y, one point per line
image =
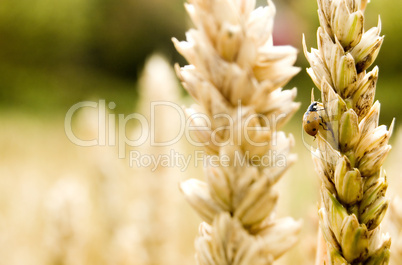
x: 235, y: 76
x: 351, y: 147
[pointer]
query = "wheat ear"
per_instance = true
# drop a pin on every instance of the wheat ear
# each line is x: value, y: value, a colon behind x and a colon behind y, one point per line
x: 351, y: 145
x: 235, y: 75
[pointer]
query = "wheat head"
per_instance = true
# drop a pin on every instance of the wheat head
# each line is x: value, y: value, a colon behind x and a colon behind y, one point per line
x: 235, y: 76
x: 351, y: 147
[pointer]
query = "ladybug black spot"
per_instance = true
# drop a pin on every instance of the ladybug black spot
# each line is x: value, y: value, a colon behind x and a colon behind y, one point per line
x: 314, y: 129
x: 308, y: 122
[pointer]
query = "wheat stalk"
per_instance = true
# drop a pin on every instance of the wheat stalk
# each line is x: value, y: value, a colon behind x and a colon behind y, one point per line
x: 351, y: 145
x: 235, y: 75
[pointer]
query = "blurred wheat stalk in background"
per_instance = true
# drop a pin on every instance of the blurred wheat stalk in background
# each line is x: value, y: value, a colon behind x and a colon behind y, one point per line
x: 84, y: 205
x: 351, y: 145
x: 396, y: 230
x: 237, y: 73
x: 114, y: 215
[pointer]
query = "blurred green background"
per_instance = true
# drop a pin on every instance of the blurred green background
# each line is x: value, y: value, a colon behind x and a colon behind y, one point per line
x: 56, y: 53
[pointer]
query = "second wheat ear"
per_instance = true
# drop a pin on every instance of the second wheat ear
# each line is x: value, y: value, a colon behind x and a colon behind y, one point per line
x: 349, y: 161
x: 235, y: 76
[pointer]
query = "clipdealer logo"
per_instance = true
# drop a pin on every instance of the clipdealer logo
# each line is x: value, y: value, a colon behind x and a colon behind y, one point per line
x: 107, y: 123
x: 111, y: 131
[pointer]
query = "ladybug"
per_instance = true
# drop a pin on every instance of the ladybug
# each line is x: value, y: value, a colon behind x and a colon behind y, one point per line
x: 312, y: 120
